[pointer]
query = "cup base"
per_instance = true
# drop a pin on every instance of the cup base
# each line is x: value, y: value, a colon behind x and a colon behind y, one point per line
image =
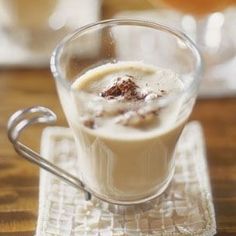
x: 134, y: 207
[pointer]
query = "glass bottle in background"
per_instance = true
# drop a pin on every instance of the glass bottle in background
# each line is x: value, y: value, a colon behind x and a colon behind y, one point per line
x: 198, y: 7
x: 213, y: 28
x: 29, y: 30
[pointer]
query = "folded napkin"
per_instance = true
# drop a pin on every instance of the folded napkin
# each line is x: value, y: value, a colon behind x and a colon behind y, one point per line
x: 186, y: 208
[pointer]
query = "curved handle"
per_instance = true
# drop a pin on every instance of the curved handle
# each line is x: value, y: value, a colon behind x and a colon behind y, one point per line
x: 33, y: 115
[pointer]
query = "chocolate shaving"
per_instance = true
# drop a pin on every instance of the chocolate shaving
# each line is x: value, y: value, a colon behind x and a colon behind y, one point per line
x: 123, y: 87
x: 89, y: 123
x: 162, y: 91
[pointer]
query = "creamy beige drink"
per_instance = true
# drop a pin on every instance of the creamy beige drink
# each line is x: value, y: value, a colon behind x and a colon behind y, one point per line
x: 125, y: 138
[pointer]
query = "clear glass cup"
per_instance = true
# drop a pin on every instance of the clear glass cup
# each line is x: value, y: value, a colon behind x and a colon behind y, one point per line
x: 114, y: 168
x: 126, y: 168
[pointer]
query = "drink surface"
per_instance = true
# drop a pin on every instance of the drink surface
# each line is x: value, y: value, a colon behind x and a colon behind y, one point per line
x: 125, y: 140
x: 134, y: 111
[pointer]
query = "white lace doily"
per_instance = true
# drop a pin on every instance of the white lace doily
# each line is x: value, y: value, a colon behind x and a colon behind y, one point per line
x: 186, y: 208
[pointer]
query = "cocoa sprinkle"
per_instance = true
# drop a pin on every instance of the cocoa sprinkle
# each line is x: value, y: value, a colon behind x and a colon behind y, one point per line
x: 137, y: 118
x: 123, y: 87
x: 89, y: 123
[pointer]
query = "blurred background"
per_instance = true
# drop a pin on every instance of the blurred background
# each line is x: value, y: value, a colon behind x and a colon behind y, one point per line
x: 29, y: 30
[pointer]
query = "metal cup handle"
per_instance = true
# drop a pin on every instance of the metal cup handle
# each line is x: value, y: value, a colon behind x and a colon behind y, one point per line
x: 19, y: 121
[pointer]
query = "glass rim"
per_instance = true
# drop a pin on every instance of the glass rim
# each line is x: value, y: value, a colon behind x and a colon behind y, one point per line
x: 196, y: 72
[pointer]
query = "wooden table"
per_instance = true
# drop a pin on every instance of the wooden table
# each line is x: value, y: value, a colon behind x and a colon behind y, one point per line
x: 20, y: 88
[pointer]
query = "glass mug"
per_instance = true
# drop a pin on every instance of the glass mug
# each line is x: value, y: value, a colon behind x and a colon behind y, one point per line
x: 120, y: 168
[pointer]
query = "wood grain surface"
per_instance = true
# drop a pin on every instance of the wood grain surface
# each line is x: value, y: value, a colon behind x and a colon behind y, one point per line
x: 20, y: 88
